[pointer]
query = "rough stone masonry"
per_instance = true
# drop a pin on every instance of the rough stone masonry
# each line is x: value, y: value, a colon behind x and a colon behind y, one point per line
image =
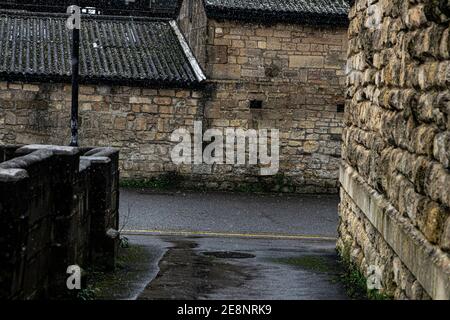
x: 395, y: 175
x: 275, y: 74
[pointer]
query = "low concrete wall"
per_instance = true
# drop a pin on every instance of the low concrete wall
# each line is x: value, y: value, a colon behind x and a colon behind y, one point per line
x: 57, y: 205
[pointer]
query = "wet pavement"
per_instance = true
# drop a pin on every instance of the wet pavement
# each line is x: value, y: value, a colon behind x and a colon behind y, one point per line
x: 249, y: 259
x: 230, y: 212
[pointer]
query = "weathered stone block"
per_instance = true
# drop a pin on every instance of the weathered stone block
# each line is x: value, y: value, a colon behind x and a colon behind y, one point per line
x: 228, y: 71
x: 306, y: 62
x: 218, y: 54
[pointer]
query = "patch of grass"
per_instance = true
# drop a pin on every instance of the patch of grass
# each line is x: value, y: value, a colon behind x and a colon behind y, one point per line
x: 113, y: 285
x: 172, y: 181
x: 166, y: 181
x: 250, y: 188
x: 311, y: 263
x: 89, y: 293
x: 278, y: 183
x: 377, y: 295
x: 354, y: 280
x: 129, y: 255
x: 355, y: 283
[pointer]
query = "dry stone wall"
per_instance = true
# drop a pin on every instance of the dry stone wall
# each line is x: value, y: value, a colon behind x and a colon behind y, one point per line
x: 395, y: 173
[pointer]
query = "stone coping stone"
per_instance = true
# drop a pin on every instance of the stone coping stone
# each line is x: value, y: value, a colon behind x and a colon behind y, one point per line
x: 25, y: 161
x: 57, y: 150
x: 101, y: 152
x: 428, y: 263
x: 86, y: 162
x: 12, y: 175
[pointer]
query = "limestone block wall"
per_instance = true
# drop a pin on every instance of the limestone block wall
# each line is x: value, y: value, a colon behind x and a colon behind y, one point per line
x: 297, y: 72
x: 289, y: 53
x: 309, y: 124
x: 138, y: 121
x: 57, y: 206
x: 395, y: 172
x: 193, y: 23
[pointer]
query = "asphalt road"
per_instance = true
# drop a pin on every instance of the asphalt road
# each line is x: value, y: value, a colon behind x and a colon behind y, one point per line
x: 231, y: 246
x: 230, y: 213
x: 198, y: 268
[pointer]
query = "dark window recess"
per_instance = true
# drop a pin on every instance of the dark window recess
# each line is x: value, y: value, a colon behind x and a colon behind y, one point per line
x: 341, y: 108
x: 256, y: 104
x: 191, y: 10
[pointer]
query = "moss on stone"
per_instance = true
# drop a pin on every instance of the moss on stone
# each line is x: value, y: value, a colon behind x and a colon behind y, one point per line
x: 354, y: 280
x: 131, y: 264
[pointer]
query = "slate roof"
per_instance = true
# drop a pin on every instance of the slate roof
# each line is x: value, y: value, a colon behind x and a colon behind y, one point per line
x: 149, y: 8
x: 113, y: 49
x: 333, y: 12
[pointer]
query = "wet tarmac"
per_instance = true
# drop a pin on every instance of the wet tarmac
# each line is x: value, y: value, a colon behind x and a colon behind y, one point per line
x: 197, y: 268
x: 230, y: 246
x: 229, y: 212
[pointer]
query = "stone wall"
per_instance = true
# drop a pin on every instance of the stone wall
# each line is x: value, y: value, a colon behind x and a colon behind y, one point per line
x: 395, y: 173
x: 56, y: 208
x: 136, y: 120
x: 278, y: 52
x: 193, y: 23
x: 297, y: 73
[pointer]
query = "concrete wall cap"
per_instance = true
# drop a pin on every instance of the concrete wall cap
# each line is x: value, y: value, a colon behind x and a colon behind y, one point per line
x: 96, y: 159
x: 84, y: 164
x: 57, y: 150
x: 101, y: 152
x: 27, y: 160
x: 12, y: 175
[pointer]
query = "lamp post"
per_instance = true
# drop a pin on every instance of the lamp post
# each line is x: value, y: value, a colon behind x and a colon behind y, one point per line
x: 74, y: 24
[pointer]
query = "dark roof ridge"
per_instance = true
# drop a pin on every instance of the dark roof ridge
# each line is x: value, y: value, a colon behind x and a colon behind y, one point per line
x: 85, y: 16
x: 332, y: 12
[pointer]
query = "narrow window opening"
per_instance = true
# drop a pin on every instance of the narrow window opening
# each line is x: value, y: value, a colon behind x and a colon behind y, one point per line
x: 191, y: 10
x: 256, y: 104
x: 341, y: 108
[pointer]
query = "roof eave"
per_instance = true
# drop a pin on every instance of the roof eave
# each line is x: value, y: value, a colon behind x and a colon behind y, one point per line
x: 145, y: 83
x: 196, y: 68
x: 276, y: 17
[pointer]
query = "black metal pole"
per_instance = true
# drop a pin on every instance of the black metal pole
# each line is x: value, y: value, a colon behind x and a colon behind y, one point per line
x: 75, y: 86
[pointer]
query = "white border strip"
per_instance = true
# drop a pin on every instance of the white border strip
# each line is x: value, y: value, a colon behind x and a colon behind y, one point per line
x: 187, y: 51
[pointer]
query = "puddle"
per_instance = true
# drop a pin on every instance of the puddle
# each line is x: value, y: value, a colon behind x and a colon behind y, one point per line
x: 189, y: 275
